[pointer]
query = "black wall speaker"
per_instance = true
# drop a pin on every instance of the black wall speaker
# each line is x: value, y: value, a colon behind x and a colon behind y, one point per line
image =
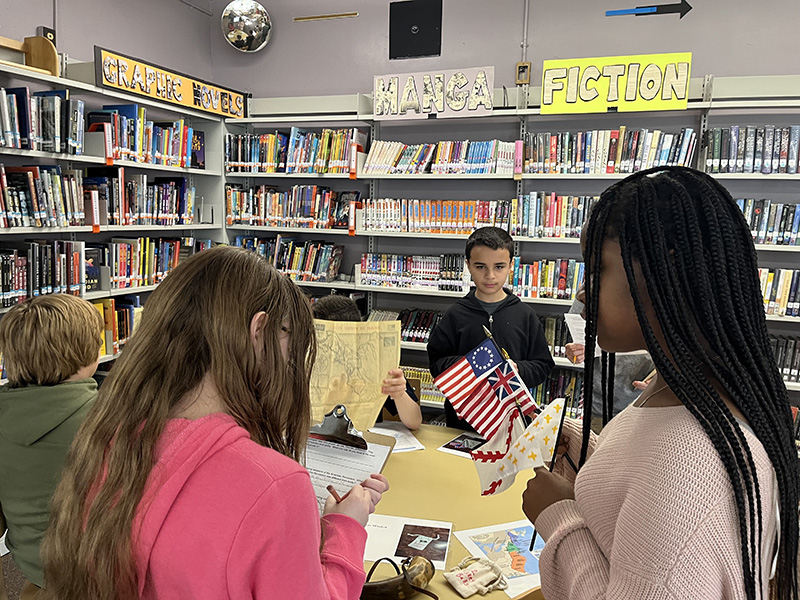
x: 415, y: 28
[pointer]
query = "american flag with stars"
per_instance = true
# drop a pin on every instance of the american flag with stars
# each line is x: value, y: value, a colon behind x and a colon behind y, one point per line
x: 494, y: 400
x: 460, y: 381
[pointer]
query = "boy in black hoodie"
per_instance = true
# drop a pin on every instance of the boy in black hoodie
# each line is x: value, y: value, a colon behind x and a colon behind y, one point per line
x: 514, y: 325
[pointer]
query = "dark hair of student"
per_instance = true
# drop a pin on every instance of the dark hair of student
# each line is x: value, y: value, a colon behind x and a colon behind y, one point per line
x: 699, y: 269
x: 336, y: 308
x: 491, y: 237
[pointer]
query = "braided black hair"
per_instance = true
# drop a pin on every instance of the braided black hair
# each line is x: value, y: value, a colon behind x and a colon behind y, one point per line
x: 699, y: 270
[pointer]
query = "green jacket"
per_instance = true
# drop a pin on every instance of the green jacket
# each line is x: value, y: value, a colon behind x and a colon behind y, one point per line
x: 37, y: 426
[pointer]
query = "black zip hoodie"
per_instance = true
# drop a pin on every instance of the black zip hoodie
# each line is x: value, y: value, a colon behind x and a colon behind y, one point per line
x: 514, y: 326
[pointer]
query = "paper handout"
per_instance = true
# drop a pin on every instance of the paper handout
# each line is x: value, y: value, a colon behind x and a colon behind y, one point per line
x: 405, y: 440
x: 330, y: 463
x: 508, y: 545
x: 353, y: 359
x: 401, y: 537
x: 577, y: 327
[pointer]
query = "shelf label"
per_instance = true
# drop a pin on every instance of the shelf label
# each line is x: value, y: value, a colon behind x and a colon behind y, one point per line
x: 445, y: 94
x: 645, y: 82
x: 121, y: 72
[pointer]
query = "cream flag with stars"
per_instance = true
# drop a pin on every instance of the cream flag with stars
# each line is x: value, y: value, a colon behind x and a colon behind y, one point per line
x: 532, y: 447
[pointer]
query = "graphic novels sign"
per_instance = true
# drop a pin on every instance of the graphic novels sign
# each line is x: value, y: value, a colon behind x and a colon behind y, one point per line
x: 627, y: 83
x: 452, y: 93
x: 120, y: 72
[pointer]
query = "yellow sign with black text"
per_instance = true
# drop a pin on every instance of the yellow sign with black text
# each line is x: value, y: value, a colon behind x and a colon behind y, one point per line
x: 120, y: 72
x: 644, y: 82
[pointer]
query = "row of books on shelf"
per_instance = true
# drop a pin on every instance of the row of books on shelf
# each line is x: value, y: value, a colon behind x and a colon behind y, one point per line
x: 559, y: 278
x: 752, y: 149
x: 787, y: 356
x: 299, y: 151
x: 443, y: 272
x: 535, y: 215
x: 29, y: 269
x: 49, y: 196
x: 121, y: 316
x: 562, y: 383
x: 429, y: 393
x: 309, y: 206
x: 623, y: 150
x: 310, y: 260
x: 38, y: 267
x: 415, y: 324
x: 133, y: 262
x: 446, y: 157
x: 158, y: 201
x: 41, y: 196
x: 780, y: 290
x: 771, y: 222
x: 128, y: 135
x: 51, y: 121
x: 557, y: 334
x: 48, y: 121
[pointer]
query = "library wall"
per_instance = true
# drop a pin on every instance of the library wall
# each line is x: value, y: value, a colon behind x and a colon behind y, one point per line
x: 165, y: 32
x: 727, y: 37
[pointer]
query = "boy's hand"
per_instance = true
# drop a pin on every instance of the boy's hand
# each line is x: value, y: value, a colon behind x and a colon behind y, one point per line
x: 394, y: 384
x: 575, y: 352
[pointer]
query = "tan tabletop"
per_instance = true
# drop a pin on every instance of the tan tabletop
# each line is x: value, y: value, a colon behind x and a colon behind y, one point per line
x: 428, y: 484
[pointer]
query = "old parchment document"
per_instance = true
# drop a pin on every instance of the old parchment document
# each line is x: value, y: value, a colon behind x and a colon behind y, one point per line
x: 353, y: 359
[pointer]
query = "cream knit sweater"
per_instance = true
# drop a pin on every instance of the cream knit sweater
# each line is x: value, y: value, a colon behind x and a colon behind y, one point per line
x: 654, y: 515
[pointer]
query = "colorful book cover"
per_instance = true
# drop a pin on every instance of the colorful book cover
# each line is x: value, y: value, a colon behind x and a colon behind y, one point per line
x: 198, y: 160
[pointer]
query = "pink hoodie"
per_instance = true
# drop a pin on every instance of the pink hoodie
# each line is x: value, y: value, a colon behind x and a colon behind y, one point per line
x: 223, y: 517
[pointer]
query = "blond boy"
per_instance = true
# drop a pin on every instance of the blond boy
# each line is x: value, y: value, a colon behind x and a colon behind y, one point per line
x: 50, y: 347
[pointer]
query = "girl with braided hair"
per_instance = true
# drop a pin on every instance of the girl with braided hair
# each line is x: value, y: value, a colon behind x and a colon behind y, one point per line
x: 692, y: 491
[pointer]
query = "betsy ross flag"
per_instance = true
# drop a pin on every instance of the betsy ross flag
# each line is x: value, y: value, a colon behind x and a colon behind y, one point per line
x: 484, y: 389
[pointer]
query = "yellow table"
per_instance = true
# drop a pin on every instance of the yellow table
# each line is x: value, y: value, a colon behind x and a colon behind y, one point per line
x: 428, y: 484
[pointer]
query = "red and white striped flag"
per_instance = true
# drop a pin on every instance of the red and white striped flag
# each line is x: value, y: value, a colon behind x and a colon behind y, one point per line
x: 494, y: 400
x: 461, y: 380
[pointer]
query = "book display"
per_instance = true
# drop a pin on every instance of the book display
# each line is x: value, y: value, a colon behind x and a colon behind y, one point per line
x: 101, y: 194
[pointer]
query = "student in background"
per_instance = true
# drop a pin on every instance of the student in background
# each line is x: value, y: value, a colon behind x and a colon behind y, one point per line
x: 50, y: 346
x: 631, y: 373
x: 514, y: 324
x: 402, y: 400
x: 184, y: 481
x: 692, y: 491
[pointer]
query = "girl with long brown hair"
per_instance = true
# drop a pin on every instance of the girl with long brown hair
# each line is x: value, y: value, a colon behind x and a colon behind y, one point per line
x: 184, y: 480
